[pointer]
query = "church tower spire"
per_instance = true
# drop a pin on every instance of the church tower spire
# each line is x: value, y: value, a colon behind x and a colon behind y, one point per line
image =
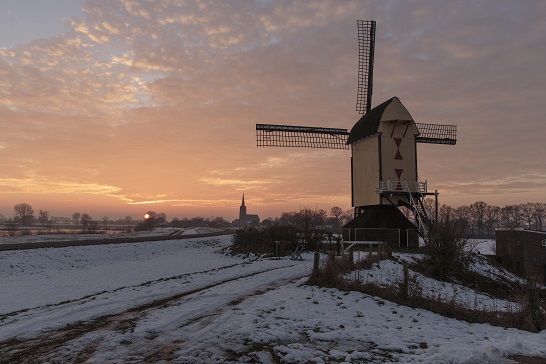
x: 242, y: 210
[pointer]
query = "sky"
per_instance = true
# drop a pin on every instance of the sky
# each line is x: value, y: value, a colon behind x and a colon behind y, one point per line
x: 115, y: 108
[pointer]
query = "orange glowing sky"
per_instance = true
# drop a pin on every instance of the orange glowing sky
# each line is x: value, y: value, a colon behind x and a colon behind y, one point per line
x: 114, y: 108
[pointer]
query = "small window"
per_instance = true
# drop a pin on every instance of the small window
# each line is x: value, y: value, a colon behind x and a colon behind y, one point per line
x: 544, y: 242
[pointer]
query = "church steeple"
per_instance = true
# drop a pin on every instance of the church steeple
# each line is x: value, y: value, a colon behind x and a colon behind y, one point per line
x: 242, y: 210
x: 247, y: 220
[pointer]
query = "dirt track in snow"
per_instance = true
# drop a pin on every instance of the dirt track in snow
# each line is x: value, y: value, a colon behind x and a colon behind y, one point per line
x: 57, y: 345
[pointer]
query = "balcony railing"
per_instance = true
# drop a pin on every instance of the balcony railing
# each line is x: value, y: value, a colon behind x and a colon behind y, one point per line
x: 401, y: 186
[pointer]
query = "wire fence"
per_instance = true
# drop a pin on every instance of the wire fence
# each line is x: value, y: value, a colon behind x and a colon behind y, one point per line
x: 392, y: 276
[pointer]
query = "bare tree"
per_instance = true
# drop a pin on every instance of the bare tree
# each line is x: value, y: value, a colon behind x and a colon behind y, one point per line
x: 76, y: 218
x: 511, y: 216
x: 311, y: 225
x: 288, y: 218
x: 347, y: 216
x: 539, y: 214
x: 478, y: 210
x: 86, y: 221
x: 24, y: 212
x: 517, y: 216
x: 309, y: 222
x: 430, y: 206
x: 336, y: 212
x: 446, y: 214
x: 527, y: 211
x: 493, y: 215
x: 161, y: 218
x: 43, y: 217
x: 464, y: 218
x: 150, y: 220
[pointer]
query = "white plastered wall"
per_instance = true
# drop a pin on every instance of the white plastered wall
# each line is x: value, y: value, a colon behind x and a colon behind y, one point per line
x: 365, y: 171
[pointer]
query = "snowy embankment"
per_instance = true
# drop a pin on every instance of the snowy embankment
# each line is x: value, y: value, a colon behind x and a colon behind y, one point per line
x: 186, y: 301
x: 389, y: 273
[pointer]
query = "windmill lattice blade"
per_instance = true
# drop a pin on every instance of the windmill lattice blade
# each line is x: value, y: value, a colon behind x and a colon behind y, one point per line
x: 366, y: 47
x: 268, y: 135
x: 437, y: 133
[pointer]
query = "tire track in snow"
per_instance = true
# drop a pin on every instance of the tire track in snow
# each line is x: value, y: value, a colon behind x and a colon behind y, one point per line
x: 94, y: 296
x: 198, y: 327
x: 31, y: 350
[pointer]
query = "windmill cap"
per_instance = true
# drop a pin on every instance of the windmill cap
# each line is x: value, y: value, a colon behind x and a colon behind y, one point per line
x: 369, y: 123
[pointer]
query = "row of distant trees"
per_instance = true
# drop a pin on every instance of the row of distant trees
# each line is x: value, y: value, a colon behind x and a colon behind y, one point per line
x: 24, y: 215
x: 479, y: 219
x: 153, y: 219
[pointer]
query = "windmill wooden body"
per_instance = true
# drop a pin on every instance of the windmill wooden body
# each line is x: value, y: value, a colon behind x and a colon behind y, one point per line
x: 383, y: 145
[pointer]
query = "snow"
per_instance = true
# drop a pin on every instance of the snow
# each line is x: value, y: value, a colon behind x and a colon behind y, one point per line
x: 46, y: 237
x: 483, y: 246
x: 389, y: 273
x: 216, y: 308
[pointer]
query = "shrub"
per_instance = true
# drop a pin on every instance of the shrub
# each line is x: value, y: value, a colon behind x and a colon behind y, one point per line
x: 261, y: 241
x: 447, y: 250
x: 330, y: 273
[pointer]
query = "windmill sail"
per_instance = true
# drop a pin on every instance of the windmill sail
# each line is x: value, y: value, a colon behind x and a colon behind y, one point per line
x: 366, y: 48
x: 268, y: 135
x: 436, y: 133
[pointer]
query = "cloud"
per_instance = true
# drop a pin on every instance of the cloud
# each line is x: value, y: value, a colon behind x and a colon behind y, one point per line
x: 161, y: 97
x: 63, y: 76
x: 39, y: 185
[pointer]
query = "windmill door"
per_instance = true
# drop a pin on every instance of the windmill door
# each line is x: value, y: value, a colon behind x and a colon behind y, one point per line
x: 403, y: 238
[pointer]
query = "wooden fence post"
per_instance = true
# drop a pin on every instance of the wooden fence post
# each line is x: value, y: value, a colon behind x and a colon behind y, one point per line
x: 316, y: 264
x: 532, y: 292
x: 405, y: 284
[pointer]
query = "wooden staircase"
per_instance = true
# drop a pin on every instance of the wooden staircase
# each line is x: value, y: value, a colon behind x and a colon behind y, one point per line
x: 415, y: 202
x: 418, y: 206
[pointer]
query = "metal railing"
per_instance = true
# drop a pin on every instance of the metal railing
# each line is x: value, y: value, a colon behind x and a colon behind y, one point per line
x: 420, y: 224
x: 399, y: 186
x: 422, y: 195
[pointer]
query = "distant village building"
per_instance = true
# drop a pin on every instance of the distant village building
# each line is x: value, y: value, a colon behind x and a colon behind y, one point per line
x: 523, y: 252
x: 246, y: 220
x: 60, y: 220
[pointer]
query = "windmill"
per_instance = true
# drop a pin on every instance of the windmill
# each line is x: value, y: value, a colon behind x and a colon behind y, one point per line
x: 383, y: 146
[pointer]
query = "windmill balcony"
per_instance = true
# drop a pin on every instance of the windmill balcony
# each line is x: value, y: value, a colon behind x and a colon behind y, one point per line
x: 401, y: 187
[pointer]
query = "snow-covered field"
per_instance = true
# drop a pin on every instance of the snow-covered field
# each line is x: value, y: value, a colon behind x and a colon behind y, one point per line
x: 42, y: 238
x: 186, y: 301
